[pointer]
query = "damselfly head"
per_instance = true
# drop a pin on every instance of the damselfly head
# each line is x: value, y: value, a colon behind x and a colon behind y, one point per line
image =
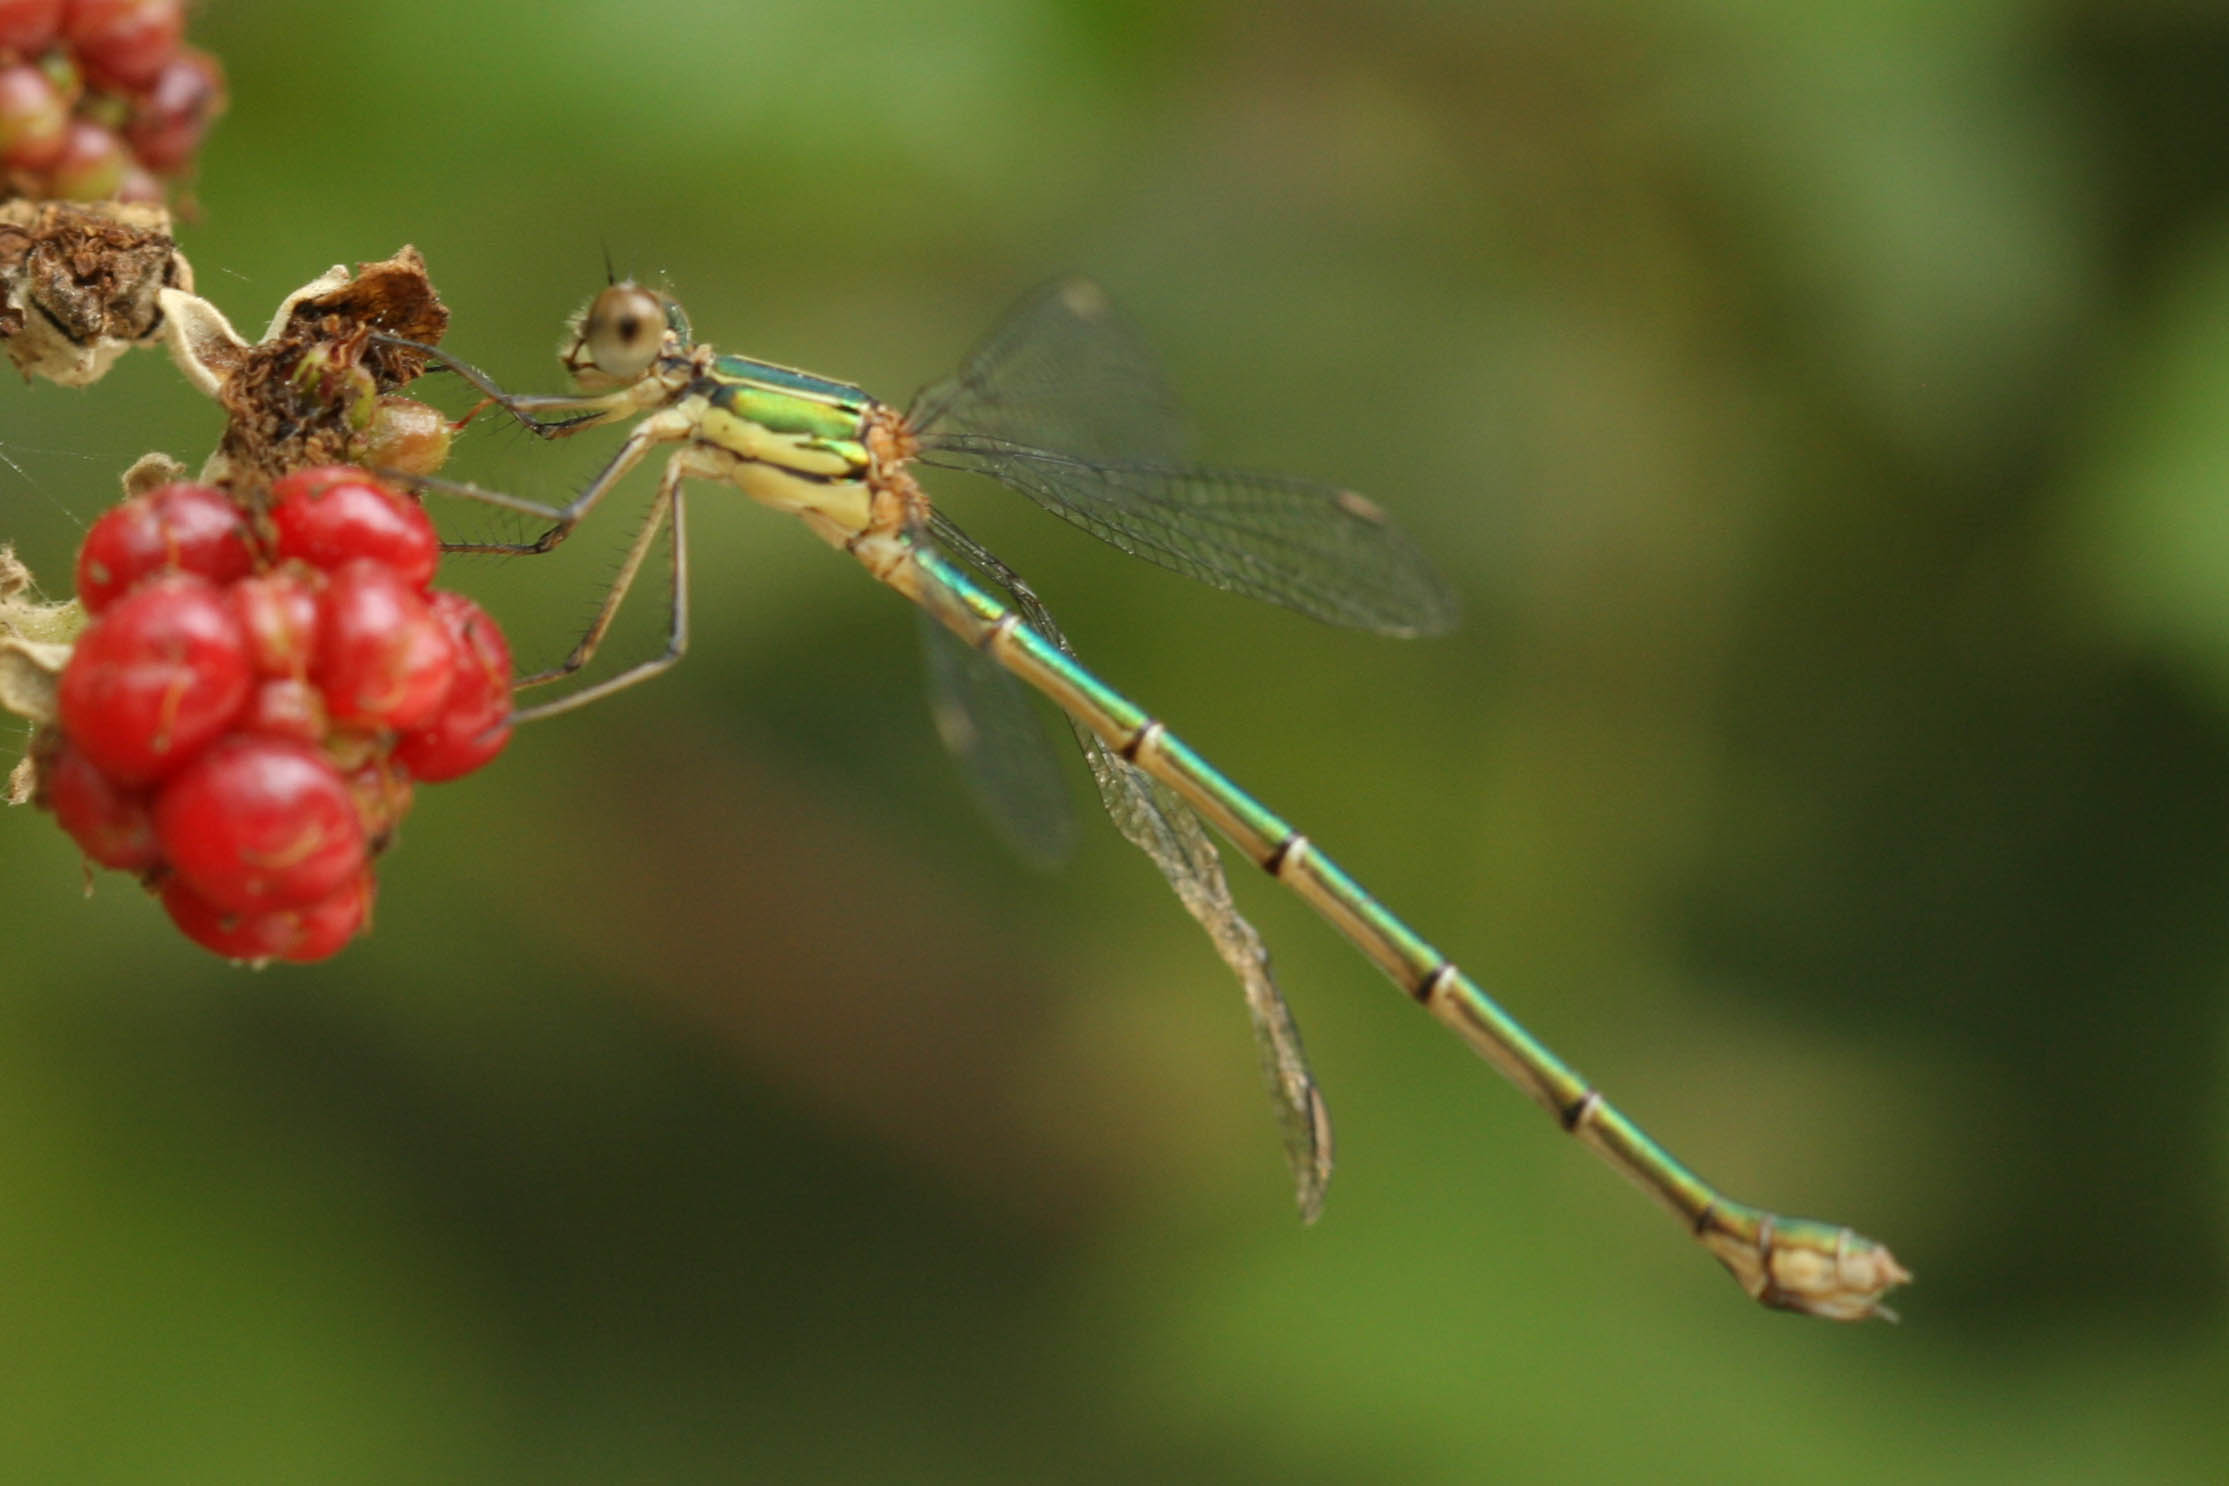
x: 624, y: 329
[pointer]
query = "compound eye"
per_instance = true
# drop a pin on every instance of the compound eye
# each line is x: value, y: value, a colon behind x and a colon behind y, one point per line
x: 625, y: 326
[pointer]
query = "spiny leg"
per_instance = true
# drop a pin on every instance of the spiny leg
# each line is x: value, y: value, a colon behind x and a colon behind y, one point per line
x: 588, y: 411
x: 659, y: 428
x: 667, y: 505
x: 653, y: 430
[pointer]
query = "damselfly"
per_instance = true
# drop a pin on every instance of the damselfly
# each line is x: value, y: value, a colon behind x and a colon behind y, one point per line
x: 1062, y: 404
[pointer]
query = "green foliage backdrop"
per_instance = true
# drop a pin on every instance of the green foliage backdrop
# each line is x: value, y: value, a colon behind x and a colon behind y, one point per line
x: 1822, y: 411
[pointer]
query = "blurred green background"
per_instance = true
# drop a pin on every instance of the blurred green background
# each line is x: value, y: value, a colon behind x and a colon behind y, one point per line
x: 1824, y: 411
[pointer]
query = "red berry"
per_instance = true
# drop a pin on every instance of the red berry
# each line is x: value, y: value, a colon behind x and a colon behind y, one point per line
x: 124, y: 41
x: 181, y: 528
x: 259, y: 823
x: 29, y: 27
x: 327, y: 925
x: 34, y: 118
x: 91, y: 164
x: 316, y: 931
x: 110, y: 824
x: 331, y: 515
x: 383, y: 659
x: 155, y: 679
x: 285, y: 707
x: 470, y: 728
x: 279, y: 611
x: 170, y: 118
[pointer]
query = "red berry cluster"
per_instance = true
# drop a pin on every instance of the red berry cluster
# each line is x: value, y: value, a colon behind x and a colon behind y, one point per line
x: 99, y: 98
x: 244, y: 718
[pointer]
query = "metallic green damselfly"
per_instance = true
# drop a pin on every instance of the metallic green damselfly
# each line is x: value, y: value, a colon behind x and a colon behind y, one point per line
x: 1061, y: 403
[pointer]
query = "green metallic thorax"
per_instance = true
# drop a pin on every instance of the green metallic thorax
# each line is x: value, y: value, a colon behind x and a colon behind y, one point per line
x: 786, y: 438
x: 784, y: 400
x: 776, y: 415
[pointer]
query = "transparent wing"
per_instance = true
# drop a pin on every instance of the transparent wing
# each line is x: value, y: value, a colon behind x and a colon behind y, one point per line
x: 1166, y: 830
x: 1329, y: 554
x: 1063, y: 403
x: 985, y: 719
x: 1162, y: 826
x: 1061, y: 371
